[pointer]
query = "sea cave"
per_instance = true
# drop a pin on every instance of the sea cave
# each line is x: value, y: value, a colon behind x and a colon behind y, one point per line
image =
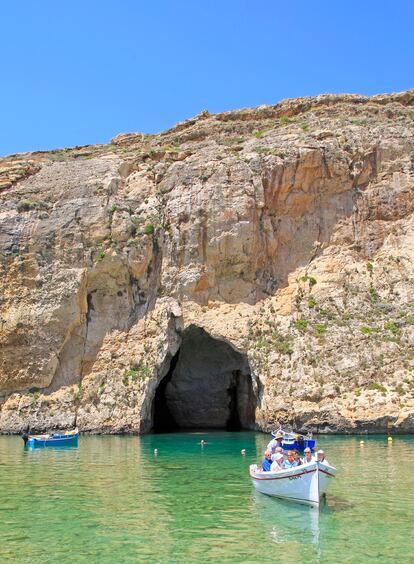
x: 207, y: 385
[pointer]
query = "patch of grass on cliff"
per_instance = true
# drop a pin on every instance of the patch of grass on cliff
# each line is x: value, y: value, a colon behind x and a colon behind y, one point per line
x: 391, y: 326
x: 35, y: 398
x: 399, y: 390
x: 367, y: 330
x: 301, y: 324
x: 149, y: 229
x: 284, y: 120
x: 320, y: 329
x: 141, y: 368
x: 277, y: 342
x: 101, y: 256
x: 373, y: 294
x: 136, y: 371
x: 281, y: 344
x: 304, y: 127
x: 311, y: 302
x: 327, y: 314
x: 312, y: 281
x: 377, y: 387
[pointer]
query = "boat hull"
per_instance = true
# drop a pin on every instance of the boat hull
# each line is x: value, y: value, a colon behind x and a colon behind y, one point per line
x: 61, y: 440
x: 304, y: 484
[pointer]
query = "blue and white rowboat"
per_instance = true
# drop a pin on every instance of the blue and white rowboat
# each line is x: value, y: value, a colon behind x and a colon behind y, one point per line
x: 69, y: 438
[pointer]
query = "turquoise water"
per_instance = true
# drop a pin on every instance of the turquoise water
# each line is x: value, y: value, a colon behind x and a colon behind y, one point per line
x: 111, y: 500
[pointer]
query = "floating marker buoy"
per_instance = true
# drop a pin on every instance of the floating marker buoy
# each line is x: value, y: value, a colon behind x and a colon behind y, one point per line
x: 155, y: 451
x: 361, y: 442
x: 389, y: 439
x: 202, y: 442
x: 243, y: 451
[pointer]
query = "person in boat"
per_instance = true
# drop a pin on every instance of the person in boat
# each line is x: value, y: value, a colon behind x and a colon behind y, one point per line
x: 275, y: 442
x: 277, y: 464
x: 320, y: 457
x: 290, y: 461
x: 267, y: 461
x: 25, y: 437
x: 296, y: 456
x: 307, y: 456
x: 278, y: 450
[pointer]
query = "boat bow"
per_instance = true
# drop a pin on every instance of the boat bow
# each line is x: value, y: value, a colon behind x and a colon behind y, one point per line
x: 305, y: 484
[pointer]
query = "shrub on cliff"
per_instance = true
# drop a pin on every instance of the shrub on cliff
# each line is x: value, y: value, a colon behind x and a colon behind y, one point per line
x: 149, y: 229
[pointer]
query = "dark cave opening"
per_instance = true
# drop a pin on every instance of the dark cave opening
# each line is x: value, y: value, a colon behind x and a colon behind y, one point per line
x: 208, y: 386
x: 163, y: 420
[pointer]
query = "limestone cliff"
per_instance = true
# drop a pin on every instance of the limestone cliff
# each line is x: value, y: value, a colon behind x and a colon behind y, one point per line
x: 249, y: 268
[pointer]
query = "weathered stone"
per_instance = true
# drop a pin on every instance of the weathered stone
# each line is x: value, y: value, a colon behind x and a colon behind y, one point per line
x: 283, y: 234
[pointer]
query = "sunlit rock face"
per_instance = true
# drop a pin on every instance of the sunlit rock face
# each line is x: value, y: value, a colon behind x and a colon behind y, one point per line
x: 260, y: 258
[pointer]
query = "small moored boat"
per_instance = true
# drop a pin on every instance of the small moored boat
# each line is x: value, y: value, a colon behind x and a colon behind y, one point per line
x: 68, y: 438
x: 305, y: 484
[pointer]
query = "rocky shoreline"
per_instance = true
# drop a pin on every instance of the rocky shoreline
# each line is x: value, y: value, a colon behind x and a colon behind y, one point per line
x: 252, y: 268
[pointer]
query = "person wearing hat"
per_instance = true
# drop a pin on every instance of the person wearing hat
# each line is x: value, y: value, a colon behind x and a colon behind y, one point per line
x: 320, y: 457
x: 307, y: 456
x: 277, y: 464
x: 275, y: 442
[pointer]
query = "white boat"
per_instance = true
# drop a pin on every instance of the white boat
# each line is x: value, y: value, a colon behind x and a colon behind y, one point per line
x: 306, y: 483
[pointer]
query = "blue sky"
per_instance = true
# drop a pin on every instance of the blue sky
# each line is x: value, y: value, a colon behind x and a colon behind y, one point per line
x: 81, y: 71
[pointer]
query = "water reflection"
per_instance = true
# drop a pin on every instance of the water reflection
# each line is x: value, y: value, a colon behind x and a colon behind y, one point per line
x: 49, y: 447
x: 286, y: 521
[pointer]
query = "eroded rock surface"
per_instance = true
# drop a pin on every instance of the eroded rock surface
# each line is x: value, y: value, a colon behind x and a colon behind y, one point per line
x: 285, y: 233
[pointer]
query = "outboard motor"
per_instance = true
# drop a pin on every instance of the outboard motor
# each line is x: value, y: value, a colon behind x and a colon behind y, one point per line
x: 25, y: 437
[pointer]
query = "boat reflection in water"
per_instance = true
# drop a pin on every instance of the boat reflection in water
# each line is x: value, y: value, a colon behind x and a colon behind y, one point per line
x: 288, y: 523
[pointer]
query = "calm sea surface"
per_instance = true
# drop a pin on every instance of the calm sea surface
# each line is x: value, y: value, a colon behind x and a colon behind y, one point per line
x: 111, y: 500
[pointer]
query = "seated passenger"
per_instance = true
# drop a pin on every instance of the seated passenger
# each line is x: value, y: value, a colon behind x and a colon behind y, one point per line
x: 278, y: 450
x: 307, y: 456
x: 277, y: 464
x: 276, y: 442
x: 290, y: 462
x: 320, y: 457
x: 267, y: 461
x: 296, y: 456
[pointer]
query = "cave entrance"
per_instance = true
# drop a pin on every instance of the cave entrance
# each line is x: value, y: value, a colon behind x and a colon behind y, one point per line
x: 208, y: 386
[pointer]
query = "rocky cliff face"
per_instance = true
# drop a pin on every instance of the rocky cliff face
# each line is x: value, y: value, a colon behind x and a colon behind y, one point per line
x: 249, y: 268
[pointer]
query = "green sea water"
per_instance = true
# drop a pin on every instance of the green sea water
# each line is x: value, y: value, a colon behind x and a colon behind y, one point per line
x: 111, y: 500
